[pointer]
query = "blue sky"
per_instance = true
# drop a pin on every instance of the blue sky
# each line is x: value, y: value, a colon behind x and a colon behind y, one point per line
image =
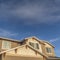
x: 26, y: 18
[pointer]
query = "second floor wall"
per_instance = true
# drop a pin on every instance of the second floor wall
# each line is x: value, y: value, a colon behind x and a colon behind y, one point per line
x: 49, y: 50
x: 41, y: 46
x: 7, y: 44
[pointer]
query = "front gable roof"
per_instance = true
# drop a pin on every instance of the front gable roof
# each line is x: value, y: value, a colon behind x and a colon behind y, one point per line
x: 8, y: 39
x: 41, y: 41
x: 48, y: 43
x: 35, y: 38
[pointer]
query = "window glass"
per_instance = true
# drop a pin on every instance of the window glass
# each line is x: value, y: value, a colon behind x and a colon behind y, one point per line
x: 34, y: 45
x: 37, y: 46
x: 6, y: 45
x: 48, y: 50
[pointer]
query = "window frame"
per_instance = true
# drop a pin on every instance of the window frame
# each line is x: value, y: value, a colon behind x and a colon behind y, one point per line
x: 48, y: 50
x: 37, y: 45
x: 6, y: 44
x: 34, y: 45
x: 31, y: 44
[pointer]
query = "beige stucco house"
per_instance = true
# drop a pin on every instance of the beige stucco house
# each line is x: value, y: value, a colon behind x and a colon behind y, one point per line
x: 30, y: 48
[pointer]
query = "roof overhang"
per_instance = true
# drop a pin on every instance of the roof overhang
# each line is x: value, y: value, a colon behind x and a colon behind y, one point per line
x: 8, y: 39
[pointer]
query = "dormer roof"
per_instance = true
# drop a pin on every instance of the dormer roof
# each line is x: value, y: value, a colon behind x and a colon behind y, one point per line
x: 42, y: 41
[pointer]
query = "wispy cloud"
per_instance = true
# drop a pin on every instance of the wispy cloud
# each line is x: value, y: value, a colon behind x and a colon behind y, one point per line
x: 5, y: 33
x: 31, y: 11
x: 55, y: 40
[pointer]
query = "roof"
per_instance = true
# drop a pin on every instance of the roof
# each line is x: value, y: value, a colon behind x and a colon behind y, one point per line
x: 22, y: 46
x: 42, y: 41
x: 53, y: 57
x: 9, y: 39
x: 48, y: 43
x: 10, y: 49
x: 38, y: 51
x: 35, y: 38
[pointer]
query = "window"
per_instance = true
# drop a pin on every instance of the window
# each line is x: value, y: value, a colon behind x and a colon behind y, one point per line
x: 37, y: 46
x: 34, y: 45
x: 6, y: 45
x: 48, y: 50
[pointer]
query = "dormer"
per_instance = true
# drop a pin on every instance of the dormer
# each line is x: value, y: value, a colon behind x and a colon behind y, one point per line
x: 49, y: 49
x: 40, y: 45
x: 34, y: 43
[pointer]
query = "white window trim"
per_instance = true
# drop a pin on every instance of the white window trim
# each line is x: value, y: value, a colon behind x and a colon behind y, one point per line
x: 6, y: 47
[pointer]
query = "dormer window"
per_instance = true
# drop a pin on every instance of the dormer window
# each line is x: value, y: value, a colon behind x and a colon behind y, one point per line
x: 37, y: 46
x: 34, y: 45
x: 48, y: 50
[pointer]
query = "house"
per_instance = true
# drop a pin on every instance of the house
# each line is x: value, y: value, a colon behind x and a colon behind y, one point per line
x: 30, y: 48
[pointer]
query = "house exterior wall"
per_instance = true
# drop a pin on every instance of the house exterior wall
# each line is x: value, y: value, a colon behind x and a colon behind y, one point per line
x: 22, y: 53
x: 13, y: 44
x: 35, y: 41
x: 21, y: 58
x: 0, y: 45
x: 0, y: 57
x: 52, y: 50
x: 42, y: 47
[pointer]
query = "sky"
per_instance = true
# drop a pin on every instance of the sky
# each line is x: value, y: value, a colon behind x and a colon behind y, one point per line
x: 25, y: 18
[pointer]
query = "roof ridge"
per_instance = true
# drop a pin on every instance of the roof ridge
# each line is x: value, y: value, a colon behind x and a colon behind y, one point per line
x: 9, y: 39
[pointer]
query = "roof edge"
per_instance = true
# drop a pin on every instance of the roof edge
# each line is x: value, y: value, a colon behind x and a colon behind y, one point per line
x: 41, y: 40
x: 9, y: 39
